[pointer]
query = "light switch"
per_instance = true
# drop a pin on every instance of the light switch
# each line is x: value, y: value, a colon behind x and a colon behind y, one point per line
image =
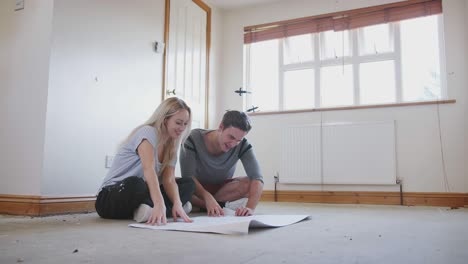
x: 19, y: 5
x: 109, y: 161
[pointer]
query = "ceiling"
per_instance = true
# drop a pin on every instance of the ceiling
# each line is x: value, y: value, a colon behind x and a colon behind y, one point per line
x: 233, y: 4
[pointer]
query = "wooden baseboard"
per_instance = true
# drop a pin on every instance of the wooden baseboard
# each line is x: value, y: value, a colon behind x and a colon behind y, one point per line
x: 40, y: 206
x: 385, y: 198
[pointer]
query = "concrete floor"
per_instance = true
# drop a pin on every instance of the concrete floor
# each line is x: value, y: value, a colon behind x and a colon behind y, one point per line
x: 335, y: 234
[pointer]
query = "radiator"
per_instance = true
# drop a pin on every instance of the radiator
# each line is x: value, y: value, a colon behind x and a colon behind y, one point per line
x: 339, y: 153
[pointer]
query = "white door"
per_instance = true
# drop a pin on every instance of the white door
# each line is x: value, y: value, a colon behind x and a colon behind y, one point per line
x: 186, y: 57
x: 185, y: 75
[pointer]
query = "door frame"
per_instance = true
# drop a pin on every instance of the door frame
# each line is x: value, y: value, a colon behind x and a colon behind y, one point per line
x: 167, y: 13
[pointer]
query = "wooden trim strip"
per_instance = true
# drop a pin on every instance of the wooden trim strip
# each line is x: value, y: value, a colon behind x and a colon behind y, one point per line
x: 451, y: 101
x: 202, y: 5
x: 33, y: 205
x: 383, y: 198
x: 166, y: 39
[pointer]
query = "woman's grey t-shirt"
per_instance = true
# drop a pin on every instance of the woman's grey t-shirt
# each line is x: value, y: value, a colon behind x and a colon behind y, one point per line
x: 196, y: 161
x: 127, y: 163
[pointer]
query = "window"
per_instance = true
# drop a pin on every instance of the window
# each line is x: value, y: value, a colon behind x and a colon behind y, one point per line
x: 394, y: 62
x: 421, y: 71
x: 263, y: 65
x: 377, y: 82
x: 334, y: 44
x: 298, y: 49
x: 375, y: 39
x: 336, y: 86
x: 296, y: 89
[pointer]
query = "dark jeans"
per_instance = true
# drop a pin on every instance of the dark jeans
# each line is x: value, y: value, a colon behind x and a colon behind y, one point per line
x: 118, y: 201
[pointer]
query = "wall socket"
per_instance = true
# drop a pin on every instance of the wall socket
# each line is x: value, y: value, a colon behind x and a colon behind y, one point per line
x: 109, y: 160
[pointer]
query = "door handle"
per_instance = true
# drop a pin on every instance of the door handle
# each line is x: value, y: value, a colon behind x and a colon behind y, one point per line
x: 169, y: 92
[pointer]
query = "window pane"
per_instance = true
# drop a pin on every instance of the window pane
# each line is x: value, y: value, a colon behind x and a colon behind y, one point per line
x: 298, y: 89
x: 298, y: 49
x: 336, y: 86
x: 377, y: 82
x: 264, y: 75
x: 334, y: 44
x: 375, y: 39
x: 420, y: 59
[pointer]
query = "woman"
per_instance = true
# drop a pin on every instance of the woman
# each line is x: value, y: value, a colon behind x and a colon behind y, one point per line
x: 144, y: 160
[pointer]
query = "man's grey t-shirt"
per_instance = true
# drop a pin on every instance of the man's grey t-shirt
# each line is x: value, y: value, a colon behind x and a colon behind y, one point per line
x: 208, y: 169
x: 127, y: 163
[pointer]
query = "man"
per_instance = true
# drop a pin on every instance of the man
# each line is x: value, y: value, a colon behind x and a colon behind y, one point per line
x: 210, y: 158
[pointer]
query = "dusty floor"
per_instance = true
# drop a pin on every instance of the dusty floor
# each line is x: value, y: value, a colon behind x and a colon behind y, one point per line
x: 335, y: 234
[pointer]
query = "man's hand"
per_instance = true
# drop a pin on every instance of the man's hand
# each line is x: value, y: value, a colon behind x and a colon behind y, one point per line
x: 244, y: 211
x: 212, y: 206
x: 158, y: 215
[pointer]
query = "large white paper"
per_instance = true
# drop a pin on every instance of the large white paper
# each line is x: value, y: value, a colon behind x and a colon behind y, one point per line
x: 227, y: 224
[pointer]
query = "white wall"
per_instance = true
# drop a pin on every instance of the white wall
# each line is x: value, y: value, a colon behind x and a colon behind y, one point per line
x: 105, y: 79
x: 418, y: 148
x: 24, y: 60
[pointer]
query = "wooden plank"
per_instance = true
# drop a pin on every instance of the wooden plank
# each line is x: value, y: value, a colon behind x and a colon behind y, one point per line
x: 67, y: 207
x: 39, y: 206
x: 21, y: 208
x: 383, y: 198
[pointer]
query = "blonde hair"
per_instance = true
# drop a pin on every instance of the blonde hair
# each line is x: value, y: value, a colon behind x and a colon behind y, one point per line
x: 165, y: 110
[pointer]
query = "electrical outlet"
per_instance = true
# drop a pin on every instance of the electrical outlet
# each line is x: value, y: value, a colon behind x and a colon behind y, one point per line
x: 109, y: 160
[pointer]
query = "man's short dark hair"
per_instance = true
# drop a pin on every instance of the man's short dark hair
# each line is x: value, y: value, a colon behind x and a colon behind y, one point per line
x: 237, y: 119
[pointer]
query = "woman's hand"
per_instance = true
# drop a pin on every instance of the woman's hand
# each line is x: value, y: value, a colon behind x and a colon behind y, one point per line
x: 158, y: 215
x: 177, y: 211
